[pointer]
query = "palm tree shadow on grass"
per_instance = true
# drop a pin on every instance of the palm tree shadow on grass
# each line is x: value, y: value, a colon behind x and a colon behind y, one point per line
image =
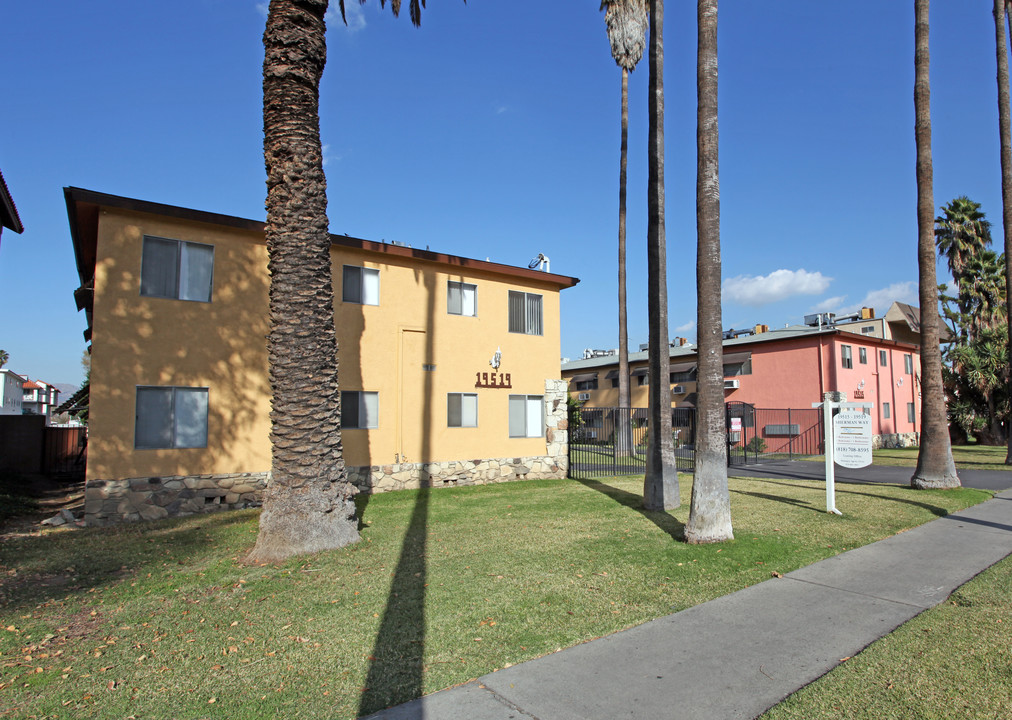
x: 933, y: 509
x: 663, y: 520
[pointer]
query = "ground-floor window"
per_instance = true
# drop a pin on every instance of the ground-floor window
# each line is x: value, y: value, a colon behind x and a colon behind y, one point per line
x: 171, y: 417
x: 910, y: 412
x: 359, y: 409
x: 527, y: 415
x: 462, y: 410
x: 885, y: 411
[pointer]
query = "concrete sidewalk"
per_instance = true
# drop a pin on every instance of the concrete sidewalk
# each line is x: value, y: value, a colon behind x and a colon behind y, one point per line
x: 738, y: 655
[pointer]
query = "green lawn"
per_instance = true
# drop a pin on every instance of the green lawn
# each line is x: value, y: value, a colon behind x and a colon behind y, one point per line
x: 953, y: 661
x: 970, y: 457
x: 159, y: 619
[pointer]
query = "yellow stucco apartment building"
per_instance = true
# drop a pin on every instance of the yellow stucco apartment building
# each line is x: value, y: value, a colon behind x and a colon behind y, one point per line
x: 448, y: 366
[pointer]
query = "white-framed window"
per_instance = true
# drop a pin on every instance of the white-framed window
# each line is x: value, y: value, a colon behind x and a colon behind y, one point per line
x: 847, y: 355
x: 461, y: 410
x: 868, y: 329
x: 883, y: 358
x: 461, y: 298
x: 527, y: 415
x: 359, y: 409
x: 176, y: 269
x: 910, y: 412
x: 525, y: 313
x: 908, y: 364
x: 885, y: 411
x: 170, y: 417
x: 862, y: 355
x: 360, y: 285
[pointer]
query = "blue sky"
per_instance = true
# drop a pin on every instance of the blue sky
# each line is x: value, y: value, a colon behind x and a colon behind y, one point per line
x: 493, y: 131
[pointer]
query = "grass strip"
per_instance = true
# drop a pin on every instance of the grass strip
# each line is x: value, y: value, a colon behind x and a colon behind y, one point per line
x: 952, y: 661
x: 159, y: 620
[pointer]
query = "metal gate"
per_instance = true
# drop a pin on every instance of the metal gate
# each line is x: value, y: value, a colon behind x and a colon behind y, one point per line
x: 613, y: 441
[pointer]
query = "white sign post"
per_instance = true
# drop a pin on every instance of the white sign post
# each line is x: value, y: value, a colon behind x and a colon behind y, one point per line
x: 848, y: 442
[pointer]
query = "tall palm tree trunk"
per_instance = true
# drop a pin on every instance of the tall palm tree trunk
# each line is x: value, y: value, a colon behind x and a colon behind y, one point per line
x: 624, y: 435
x: 1005, y: 136
x: 308, y: 504
x: 710, y: 508
x: 935, y: 468
x: 660, y: 484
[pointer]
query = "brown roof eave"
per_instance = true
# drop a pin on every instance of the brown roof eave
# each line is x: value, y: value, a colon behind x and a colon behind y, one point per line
x: 78, y: 199
x: 9, y: 217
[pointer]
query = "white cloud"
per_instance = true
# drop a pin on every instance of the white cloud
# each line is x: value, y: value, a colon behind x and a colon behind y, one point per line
x: 262, y: 8
x: 687, y: 327
x: 831, y: 304
x: 904, y: 292
x: 778, y: 285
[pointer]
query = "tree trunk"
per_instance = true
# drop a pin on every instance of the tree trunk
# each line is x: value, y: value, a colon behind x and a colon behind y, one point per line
x: 623, y: 439
x: 935, y: 468
x: 1005, y: 137
x: 710, y: 508
x: 660, y: 484
x: 309, y: 503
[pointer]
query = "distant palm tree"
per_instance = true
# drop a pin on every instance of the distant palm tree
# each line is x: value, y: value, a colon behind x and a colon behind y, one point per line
x: 4, y: 357
x: 935, y: 468
x: 710, y: 509
x: 1001, y: 8
x: 626, y: 21
x: 660, y: 483
x: 961, y: 232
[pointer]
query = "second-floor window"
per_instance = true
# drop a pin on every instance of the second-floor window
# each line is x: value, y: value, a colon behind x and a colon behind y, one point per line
x: 360, y: 285
x: 848, y: 357
x: 908, y: 364
x: 176, y: 269
x: 586, y: 384
x: 461, y: 298
x: 883, y: 358
x: 862, y: 355
x: 525, y: 313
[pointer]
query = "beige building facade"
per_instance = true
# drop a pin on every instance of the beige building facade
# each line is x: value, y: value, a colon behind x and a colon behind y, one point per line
x: 448, y: 366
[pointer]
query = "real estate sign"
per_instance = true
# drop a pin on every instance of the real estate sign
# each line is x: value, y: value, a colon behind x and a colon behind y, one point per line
x: 852, y: 439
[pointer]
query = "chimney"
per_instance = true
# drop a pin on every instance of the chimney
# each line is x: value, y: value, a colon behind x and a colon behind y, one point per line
x: 761, y: 329
x: 867, y: 313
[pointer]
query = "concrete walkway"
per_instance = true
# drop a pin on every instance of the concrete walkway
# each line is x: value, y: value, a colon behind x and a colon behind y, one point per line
x: 737, y: 656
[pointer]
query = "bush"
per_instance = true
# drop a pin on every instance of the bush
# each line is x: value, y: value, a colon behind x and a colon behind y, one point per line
x: 756, y: 445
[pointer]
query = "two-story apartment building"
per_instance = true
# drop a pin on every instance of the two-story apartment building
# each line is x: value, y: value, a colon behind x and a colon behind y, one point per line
x: 40, y: 398
x: 448, y: 366
x: 11, y: 392
x: 778, y: 369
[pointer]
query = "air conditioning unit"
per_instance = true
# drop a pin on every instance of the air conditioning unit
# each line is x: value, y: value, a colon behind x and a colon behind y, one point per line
x: 732, y: 384
x: 582, y: 397
x: 678, y: 390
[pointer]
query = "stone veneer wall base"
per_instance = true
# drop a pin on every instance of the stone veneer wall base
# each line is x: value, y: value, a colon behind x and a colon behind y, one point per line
x: 151, y: 498
x: 895, y: 440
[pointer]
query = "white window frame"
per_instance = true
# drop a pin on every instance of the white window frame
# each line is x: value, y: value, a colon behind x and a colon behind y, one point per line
x: 885, y: 411
x: 360, y: 399
x: 847, y: 356
x: 462, y: 400
x: 883, y: 358
x: 908, y: 363
x: 525, y: 313
x: 862, y: 355
x: 911, y: 413
x: 183, y: 288
x: 368, y: 285
x: 174, y: 398
x: 461, y: 289
x: 533, y: 420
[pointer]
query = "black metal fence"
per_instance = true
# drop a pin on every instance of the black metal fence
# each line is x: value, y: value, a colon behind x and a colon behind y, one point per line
x: 613, y: 441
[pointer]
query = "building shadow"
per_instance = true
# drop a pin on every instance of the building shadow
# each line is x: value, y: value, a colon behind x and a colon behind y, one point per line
x: 841, y: 490
x: 671, y: 526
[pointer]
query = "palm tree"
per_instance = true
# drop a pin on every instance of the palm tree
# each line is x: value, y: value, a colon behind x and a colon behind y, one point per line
x: 4, y: 357
x: 935, y: 468
x: 710, y: 508
x: 961, y: 232
x: 660, y: 483
x: 309, y: 503
x: 626, y: 21
x: 1005, y: 139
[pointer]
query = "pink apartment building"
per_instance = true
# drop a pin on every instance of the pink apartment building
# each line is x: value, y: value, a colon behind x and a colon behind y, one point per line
x: 784, y: 368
